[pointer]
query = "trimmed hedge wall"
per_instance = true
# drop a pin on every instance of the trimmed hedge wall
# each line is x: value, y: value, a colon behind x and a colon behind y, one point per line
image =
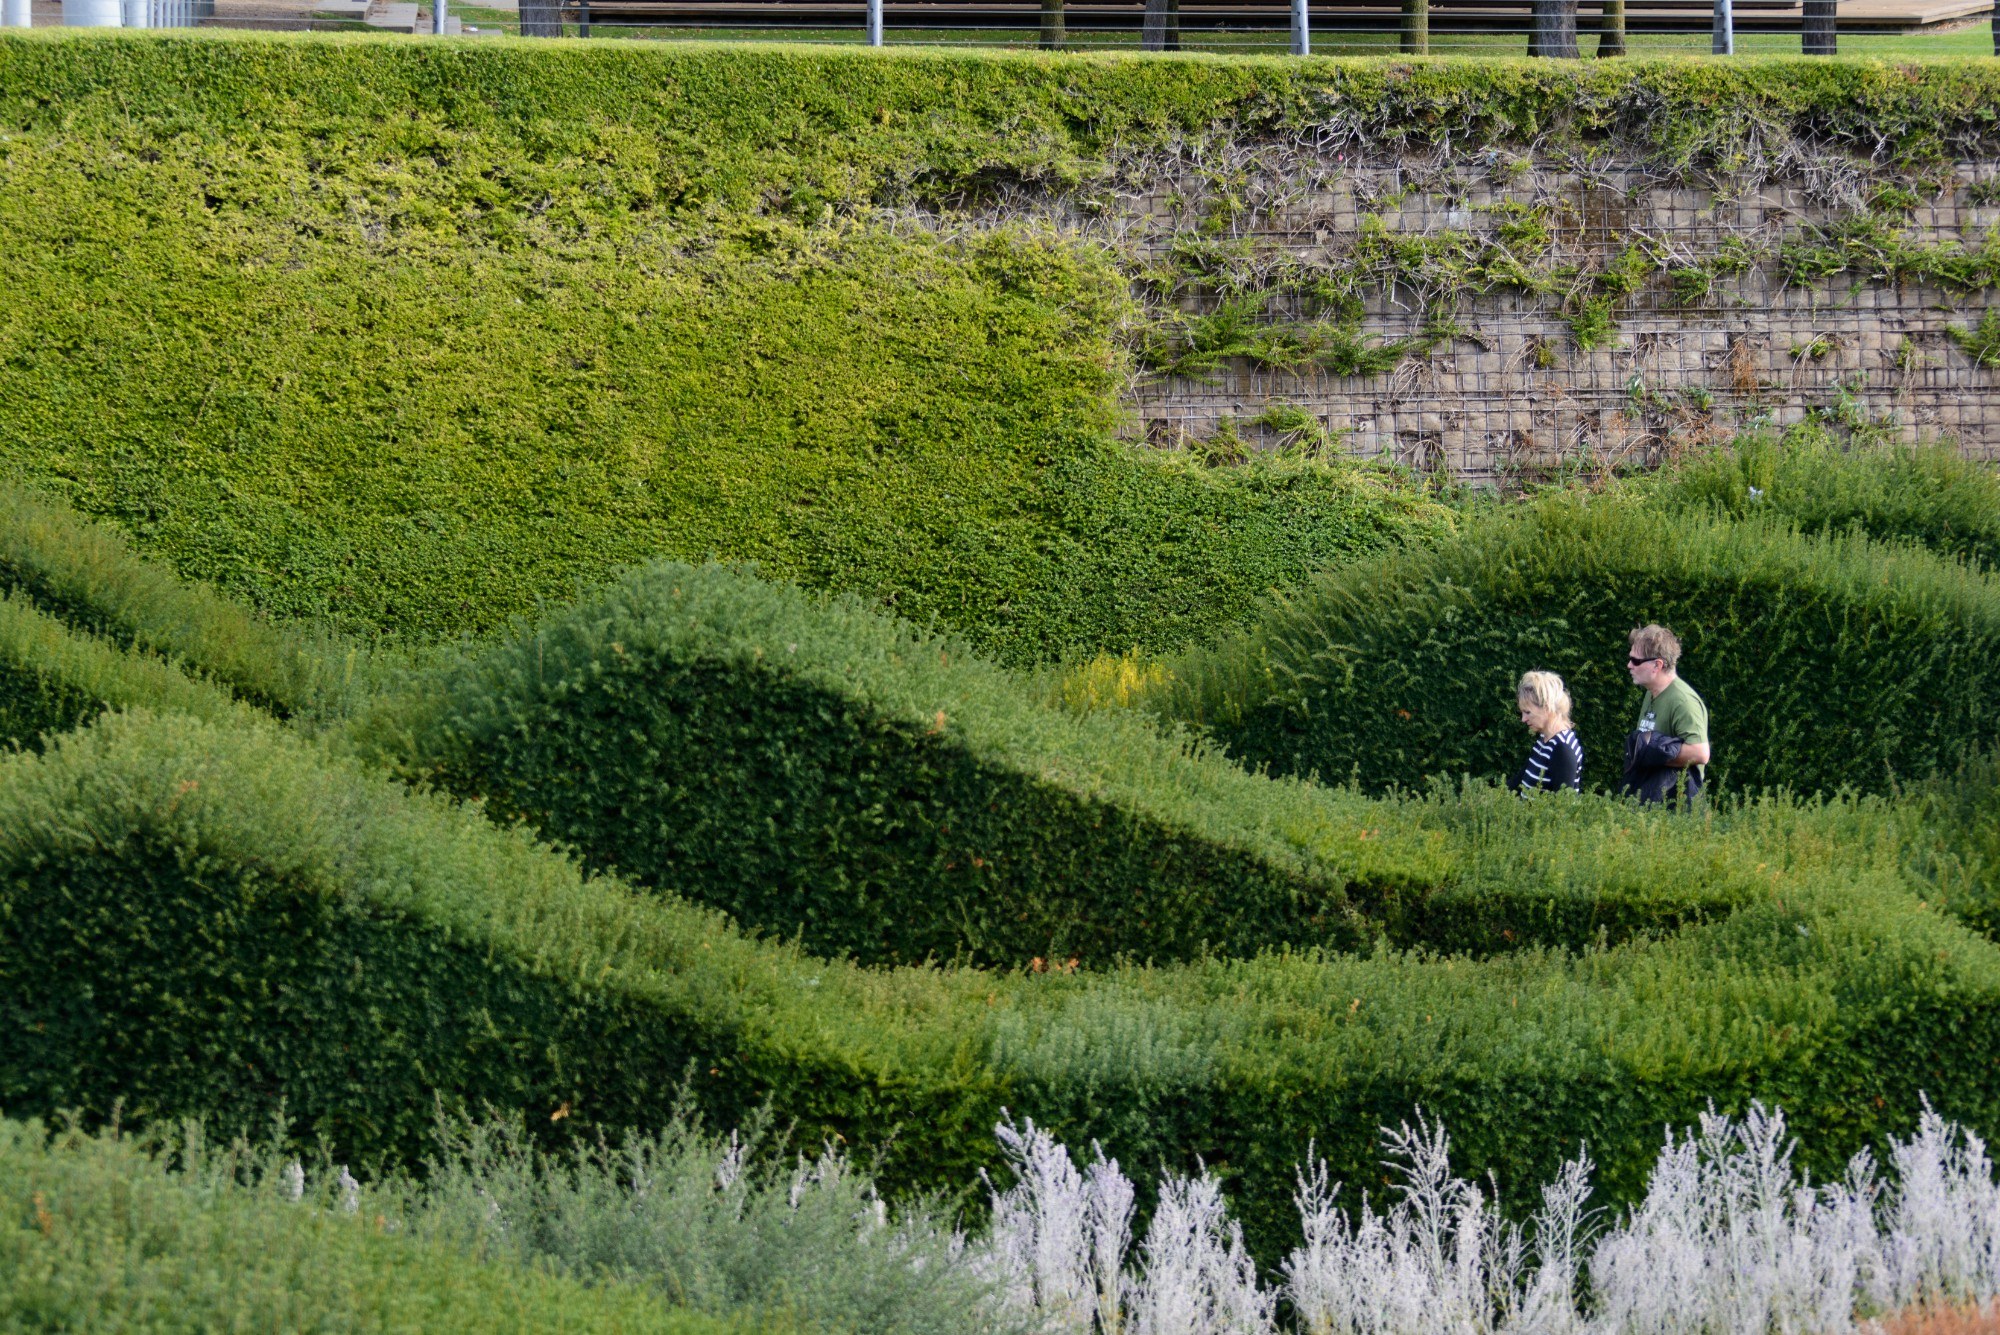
x: 196, y: 918
x: 426, y: 364
x: 822, y: 772
x: 1825, y: 663
x: 449, y: 326
x: 95, y: 1235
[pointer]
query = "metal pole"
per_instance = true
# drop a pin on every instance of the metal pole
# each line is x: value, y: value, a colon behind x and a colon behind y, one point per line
x: 1302, y: 42
x: 17, y: 14
x: 440, y: 10
x: 1725, y: 29
x: 874, y: 22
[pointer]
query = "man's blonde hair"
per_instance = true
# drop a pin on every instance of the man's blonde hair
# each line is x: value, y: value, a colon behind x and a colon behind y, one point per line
x: 1656, y: 642
x: 1545, y: 690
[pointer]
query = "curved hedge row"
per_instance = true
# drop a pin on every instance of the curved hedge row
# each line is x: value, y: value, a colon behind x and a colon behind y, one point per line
x: 89, y: 577
x: 53, y: 678
x: 821, y: 771
x: 198, y: 918
x: 1825, y: 663
x: 600, y: 330
x: 1933, y: 495
x: 95, y: 1235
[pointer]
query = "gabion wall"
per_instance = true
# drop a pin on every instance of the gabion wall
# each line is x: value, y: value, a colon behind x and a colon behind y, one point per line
x: 1508, y: 392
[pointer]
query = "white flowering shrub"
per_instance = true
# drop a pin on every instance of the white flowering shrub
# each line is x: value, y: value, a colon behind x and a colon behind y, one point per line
x: 1729, y: 1240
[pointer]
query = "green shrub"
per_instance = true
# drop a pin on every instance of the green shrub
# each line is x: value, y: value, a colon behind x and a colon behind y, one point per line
x: 53, y: 679
x: 434, y: 414
x: 819, y: 771
x: 1825, y: 663
x: 1931, y: 495
x: 97, y: 1235
x: 223, y: 920
x: 1949, y: 830
x: 413, y: 337
x: 89, y: 578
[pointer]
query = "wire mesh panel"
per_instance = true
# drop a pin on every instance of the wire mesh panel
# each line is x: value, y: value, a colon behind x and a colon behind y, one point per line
x: 1553, y: 28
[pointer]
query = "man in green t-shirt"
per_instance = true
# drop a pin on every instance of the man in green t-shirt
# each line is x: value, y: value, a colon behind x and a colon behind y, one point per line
x: 1670, y: 709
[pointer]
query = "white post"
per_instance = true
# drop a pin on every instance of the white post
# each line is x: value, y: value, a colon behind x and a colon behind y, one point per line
x: 17, y: 14
x: 1302, y: 42
x: 1725, y: 29
x: 874, y: 22
x: 439, y: 11
x: 91, y: 13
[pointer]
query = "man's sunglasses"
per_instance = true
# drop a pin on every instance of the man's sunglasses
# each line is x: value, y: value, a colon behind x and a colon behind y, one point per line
x: 1634, y: 662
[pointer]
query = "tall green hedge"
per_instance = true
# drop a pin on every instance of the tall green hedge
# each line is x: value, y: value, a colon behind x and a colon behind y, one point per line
x: 200, y: 918
x: 821, y: 771
x: 421, y: 375
x: 1825, y: 663
x: 96, y: 1235
x: 412, y: 337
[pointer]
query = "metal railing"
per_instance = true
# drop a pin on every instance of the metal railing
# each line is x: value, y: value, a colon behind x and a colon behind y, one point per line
x: 1554, y: 28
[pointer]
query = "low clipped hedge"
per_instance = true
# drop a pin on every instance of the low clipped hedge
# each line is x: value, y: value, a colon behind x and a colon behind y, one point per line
x: 225, y: 919
x: 1930, y: 495
x: 88, y: 577
x: 97, y: 1235
x: 53, y: 678
x: 823, y: 772
x: 1825, y: 663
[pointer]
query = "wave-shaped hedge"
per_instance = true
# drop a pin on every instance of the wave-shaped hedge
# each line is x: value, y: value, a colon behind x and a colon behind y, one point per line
x: 96, y: 1235
x: 54, y: 678
x: 1826, y: 663
x: 197, y: 918
x: 822, y: 771
x: 1930, y: 495
x: 673, y: 322
x: 88, y: 577
x: 1335, y: 868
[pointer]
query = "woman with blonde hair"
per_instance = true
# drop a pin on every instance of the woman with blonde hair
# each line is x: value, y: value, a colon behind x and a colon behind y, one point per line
x: 1557, y: 760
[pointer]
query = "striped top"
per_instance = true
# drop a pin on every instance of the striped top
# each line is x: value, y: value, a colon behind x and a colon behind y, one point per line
x: 1556, y: 762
